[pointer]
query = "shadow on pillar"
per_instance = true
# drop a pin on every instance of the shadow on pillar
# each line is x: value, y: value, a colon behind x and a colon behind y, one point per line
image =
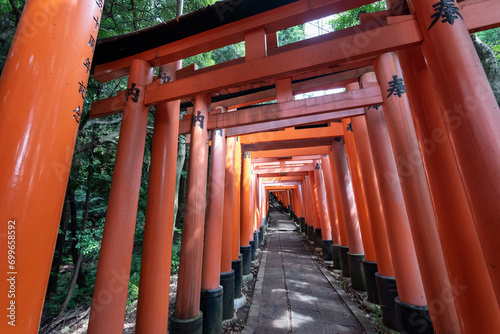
x: 317, y: 238
x: 336, y: 257
x: 413, y: 319
x: 228, y: 288
x: 344, y: 263
x: 211, y: 307
x: 387, y: 293
x: 238, y: 277
x: 310, y: 233
x: 253, y: 248
x: 246, y: 252
x: 327, y: 249
x: 189, y: 326
x: 356, y: 270
x: 370, y: 268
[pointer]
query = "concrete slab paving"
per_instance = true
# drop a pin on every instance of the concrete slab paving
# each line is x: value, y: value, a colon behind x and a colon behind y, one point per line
x: 293, y: 294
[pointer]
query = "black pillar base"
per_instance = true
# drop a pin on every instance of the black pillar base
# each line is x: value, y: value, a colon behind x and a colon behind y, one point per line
x: 317, y: 238
x: 356, y: 271
x: 327, y: 249
x: 336, y: 257
x: 344, y: 263
x: 370, y: 268
x: 261, y: 235
x: 238, y: 277
x: 311, y: 233
x: 253, y: 248
x: 302, y: 224
x: 227, y: 283
x: 188, y: 326
x: 256, y: 239
x: 413, y: 319
x: 387, y: 292
x: 211, y: 306
x: 246, y: 252
x: 306, y: 229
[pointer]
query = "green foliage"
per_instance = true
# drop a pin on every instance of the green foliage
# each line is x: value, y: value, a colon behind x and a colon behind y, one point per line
x: 350, y: 18
x: 291, y: 35
x: 492, y: 38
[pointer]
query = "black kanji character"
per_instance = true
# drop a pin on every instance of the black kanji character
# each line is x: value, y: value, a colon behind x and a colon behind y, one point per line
x: 318, y: 166
x: 219, y: 132
x: 199, y: 118
x: 165, y: 78
x: 77, y: 115
x: 349, y: 126
x: 99, y: 3
x: 134, y: 92
x: 447, y: 10
x: 396, y: 86
x: 87, y: 64
x: 375, y: 107
x: 96, y: 19
x: 246, y: 155
x: 82, y: 89
x: 91, y: 42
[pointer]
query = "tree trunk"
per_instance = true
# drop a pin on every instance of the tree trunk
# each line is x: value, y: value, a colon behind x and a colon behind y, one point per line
x: 58, y: 253
x: 490, y: 65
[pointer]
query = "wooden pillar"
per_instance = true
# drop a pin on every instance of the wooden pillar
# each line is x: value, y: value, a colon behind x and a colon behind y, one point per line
x: 347, y: 198
x: 338, y: 202
x: 326, y: 230
x: 245, y: 211
x: 190, y: 266
x: 416, y: 193
x: 211, y: 291
x: 357, y: 186
x: 236, y: 207
x: 154, y: 285
x: 314, y: 200
x: 330, y: 199
x: 39, y: 122
x: 111, y: 284
x: 470, y: 284
x: 40, y: 110
x: 471, y: 116
x: 372, y: 195
x: 406, y: 270
x: 227, y: 228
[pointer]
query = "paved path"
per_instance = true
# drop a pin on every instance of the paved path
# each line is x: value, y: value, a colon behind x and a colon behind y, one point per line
x: 292, y: 295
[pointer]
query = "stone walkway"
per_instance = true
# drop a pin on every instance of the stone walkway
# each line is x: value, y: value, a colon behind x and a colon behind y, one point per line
x: 292, y: 294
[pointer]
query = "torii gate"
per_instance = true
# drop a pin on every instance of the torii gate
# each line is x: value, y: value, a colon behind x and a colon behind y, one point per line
x: 434, y: 50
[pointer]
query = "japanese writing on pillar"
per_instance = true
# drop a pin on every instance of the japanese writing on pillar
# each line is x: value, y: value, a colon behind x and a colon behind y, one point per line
x: 447, y: 10
x: 198, y: 119
x: 86, y: 61
x: 396, y: 86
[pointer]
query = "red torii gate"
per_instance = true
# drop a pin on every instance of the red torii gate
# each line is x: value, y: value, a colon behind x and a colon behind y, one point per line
x: 37, y: 146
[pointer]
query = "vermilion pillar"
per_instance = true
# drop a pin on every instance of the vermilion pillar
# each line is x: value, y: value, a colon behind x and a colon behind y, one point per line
x: 236, y: 207
x: 348, y: 207
x: 310, y: 204
x: 407, y: 273
x: 326, y: 229
x: 471, y: 285
x: 372, y: 195
x: 227, y: 228
x: 227, y: 273
x: 154, y: 285
x: 245, y: 211
x: 330, y: 198
x: 236, y: 263
x: 39, y: 118
x: 187, y: 308
x: 416, y: 193
x: 338, y: 202
x: 211, y: 291
x: 315, y: 201
x: 109, y: 301
x: 471, y: 116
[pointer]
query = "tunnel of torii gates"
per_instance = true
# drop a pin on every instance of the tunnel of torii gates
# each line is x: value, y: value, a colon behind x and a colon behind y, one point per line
x: 396, y: 178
